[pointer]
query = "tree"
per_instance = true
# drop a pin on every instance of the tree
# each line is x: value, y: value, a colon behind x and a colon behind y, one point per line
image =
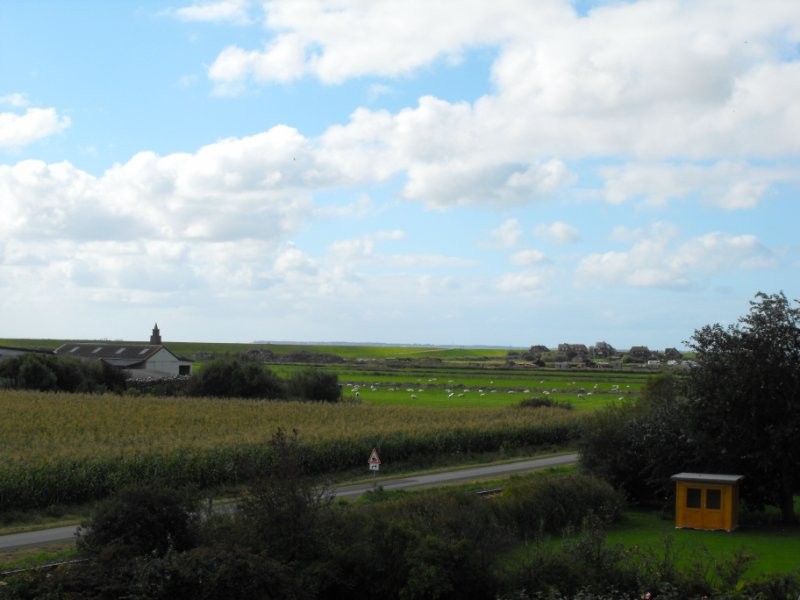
x: 237, y: 378
x: 316, y: 385
x: 744, y: 400
x: 139, y: 520
x: 285, y: 510
x: 637, y: 445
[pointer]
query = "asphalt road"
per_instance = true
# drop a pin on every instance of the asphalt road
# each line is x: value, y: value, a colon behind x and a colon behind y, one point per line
x: 66, y: 534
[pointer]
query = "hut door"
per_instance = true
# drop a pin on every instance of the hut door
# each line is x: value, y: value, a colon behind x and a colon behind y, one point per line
x: 704, y: 508
x: 713, y: 517
x: 693, y: 511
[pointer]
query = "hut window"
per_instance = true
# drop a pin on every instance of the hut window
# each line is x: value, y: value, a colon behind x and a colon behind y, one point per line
x: 693, y: 497
x: 714, y: 499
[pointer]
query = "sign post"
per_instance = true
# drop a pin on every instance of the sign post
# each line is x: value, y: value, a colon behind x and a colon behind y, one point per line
x: 374, y: 463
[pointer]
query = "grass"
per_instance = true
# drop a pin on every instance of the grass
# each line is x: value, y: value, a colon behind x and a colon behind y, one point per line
x: 776, y: 548
x: 26, y: 558
x: 452, y: 377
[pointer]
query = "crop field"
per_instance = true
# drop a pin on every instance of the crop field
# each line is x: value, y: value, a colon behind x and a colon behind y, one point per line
x: 62, y: 448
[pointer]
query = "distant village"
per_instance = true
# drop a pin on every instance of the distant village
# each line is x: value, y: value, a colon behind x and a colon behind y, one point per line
x: 602, y: 354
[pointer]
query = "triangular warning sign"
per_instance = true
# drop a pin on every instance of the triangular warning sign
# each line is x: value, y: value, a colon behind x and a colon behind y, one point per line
x: 374, y: 459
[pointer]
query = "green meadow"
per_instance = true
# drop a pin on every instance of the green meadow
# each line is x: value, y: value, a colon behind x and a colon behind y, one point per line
x: 774, y: 548
x: 428, y: 376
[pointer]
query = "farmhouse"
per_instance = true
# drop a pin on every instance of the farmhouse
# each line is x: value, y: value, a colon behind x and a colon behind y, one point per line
x: 140, y: 361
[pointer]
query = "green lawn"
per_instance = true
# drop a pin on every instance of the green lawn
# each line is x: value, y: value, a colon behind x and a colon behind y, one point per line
x: 776, y: 548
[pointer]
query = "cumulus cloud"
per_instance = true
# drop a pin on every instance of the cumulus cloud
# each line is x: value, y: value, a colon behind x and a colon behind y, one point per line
x: 363, y: 247
x: 506, y: 235
x: 526, y: 258
x: 34, y: 124
x: 16, y: 100
x: 724, y: 184
x: 597, y: 84
x: 329, y: 41
x: 656, y: 261
x: 220, y: 215
x: 229, y: 11
x: 520, y: 283
x: 458, y: 183
x: 248, y: 187
x: 558, y: 233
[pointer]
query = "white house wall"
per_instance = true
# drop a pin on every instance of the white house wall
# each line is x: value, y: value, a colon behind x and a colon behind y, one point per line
x: 164, y: 362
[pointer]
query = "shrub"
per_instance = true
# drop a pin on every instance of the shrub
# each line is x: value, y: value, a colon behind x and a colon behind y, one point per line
x: 551, y: 504
x: 316, y: 385
x: 239, y: 377
x: 48, y: 373
x: 544, y: 402
x: 138, y: 520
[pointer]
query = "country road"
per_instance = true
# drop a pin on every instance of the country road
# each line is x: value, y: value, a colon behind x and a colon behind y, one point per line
x: 66, y: 534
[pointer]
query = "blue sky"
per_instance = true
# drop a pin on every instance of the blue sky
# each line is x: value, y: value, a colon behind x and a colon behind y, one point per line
x: 502, y: 173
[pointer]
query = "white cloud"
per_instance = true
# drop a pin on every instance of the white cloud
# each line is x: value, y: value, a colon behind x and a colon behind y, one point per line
x: 655, y: 260
x: 34, y: 124
x: 293, y: 260
x: 227, y: 208
x: 230, y: 11
x: 558, y: 232
x: 15, y: 100
x: 595, y: 85
x: 520, y: 283
x: 457, y: 183
x: 353, y: 38
x: 363, y: 247
x: 727, y: 185
x: 506, y: 235
x: 527, y: 258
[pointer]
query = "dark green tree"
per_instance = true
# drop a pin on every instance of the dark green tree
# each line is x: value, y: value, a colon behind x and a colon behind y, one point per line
x: 139, y: 520
x: 637, y: 445
x: 286, y: 511
x: 237, y: 378
x: 36, y: 373
x: 315, y: 385
x: 745, y: 400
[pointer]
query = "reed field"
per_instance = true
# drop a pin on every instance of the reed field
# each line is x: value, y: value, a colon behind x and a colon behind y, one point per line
x: 67, y: 448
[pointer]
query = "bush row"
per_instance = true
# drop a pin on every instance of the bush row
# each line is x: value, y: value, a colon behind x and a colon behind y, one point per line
x: 286, y: 541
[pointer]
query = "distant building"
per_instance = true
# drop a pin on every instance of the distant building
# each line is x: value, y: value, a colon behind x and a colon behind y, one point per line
x: 574, y: 351
x: 140, y: 361
x: 10, y: 351
x: 639, y: 353
x: 602, y: 350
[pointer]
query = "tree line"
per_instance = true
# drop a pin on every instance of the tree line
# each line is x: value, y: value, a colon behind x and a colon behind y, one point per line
x: 229, y: 377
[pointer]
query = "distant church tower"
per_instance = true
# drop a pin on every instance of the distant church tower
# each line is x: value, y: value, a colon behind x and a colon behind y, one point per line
x: 155, y: 338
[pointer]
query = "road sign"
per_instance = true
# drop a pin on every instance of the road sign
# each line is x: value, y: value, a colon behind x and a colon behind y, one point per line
x: 374, y: 460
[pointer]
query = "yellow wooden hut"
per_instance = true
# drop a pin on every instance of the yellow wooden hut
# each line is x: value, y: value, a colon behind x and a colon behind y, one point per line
x: 706, y: 501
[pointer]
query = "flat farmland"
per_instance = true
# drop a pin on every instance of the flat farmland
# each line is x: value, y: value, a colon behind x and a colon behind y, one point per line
x: 480, y: 386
